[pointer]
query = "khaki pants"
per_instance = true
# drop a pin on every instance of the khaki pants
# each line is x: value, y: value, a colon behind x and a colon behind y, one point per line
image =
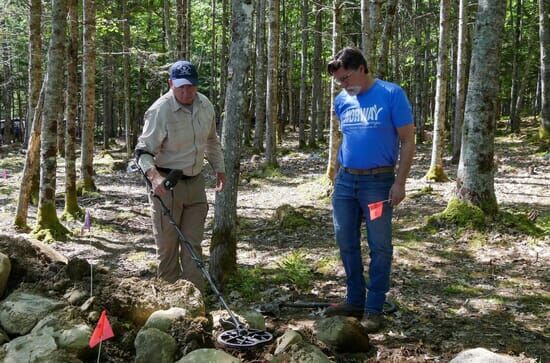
x: 189, y: 207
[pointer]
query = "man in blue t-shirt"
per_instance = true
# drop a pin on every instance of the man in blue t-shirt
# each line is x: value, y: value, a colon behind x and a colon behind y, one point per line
x: 377, y: 130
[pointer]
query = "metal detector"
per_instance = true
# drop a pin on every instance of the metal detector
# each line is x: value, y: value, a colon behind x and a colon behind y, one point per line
x: 240, y: 337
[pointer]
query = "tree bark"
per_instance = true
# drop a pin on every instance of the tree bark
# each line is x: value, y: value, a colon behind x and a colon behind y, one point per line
x: 183, y: 28
x: 436, y: 172
x: 514, y: 92
x: 460, y: 79
x: 475, y: 177
x: 382, y: 63
x: 88, y: 97
x: 72, y: 210
x: 544, y: 34
x: 223, y: 249
x: 316, y: 76
x: 35, y: 62
x: 272, y: 83
x: 168, y: 28
x: 126, y: 75
x: 47, y: 224
x: 260, y: 79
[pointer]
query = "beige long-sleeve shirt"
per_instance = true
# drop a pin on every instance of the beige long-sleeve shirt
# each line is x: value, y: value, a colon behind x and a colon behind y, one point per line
x: 178, y: 138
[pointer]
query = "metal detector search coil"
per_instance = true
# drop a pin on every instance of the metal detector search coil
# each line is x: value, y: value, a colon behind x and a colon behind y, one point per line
x: 244, y: 338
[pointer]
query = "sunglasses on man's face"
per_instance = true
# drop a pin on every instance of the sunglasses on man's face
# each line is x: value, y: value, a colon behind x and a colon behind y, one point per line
x: 341, y: 80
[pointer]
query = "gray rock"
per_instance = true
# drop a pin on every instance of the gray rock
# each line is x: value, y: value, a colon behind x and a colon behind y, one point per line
x: 70, y: 333
x: 76, y: 296
x: 301, y: 353
x: 289, y: 338
x: 343, y: 334
x: 254, y: 319
x: 58, y: 356
x: 77, y: 269
x: 153, y: 345
x: 208, y: 356
x: 20, y: 311
x: 5, y: 269
x: 481, y: 355
x: 29, y: 348
x: 87, y: 304
x: 249, y: 318
x: 163, y: 319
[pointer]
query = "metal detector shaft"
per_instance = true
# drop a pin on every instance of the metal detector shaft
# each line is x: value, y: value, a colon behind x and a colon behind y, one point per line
x: 198, y: 261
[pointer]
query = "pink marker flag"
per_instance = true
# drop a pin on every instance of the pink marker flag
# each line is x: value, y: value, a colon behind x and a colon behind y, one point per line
x: 375, y: 210
x: 87, y: 221
x: 103, y: 330
x: 5, y: 174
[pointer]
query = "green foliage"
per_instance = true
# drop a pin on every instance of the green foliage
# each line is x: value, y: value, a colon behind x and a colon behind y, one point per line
x: 427, y: 190
x: 520, y: 222
x: 247, y: 281
x: 459, y: 213
x: 462, y: 288
x: 296, y: 269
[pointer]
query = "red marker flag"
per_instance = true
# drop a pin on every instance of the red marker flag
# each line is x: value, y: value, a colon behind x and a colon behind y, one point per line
x: 103, y: 331
x: 375, y: 210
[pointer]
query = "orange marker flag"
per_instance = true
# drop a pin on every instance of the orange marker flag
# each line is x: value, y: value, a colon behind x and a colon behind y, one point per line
x: 375, y: 210
x: 103, y: 331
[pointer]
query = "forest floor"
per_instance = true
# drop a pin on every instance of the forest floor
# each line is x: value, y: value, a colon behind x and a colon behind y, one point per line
x: 454, y: 287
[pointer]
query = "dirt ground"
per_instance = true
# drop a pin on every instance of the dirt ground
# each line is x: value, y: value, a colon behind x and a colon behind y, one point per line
x: 454, y: 287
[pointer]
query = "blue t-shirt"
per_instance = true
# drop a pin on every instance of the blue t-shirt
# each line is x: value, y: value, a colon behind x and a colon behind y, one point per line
x: 369, y: 123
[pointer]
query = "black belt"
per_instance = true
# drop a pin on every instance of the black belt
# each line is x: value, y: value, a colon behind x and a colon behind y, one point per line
x: 383, y: 169
x: 168, y: 170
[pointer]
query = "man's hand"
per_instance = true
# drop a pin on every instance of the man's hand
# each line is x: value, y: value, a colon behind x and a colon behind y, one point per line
x: 397, y: 194
x: 156, y: 182
x: 220, y: 181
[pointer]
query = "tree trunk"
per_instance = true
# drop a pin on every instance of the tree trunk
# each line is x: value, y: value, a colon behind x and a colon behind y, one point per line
x: 88, y: 97
x: 382, y: 64
x: 47, y: 223
x: 272, y: 82
x: 223, y: 60
x: 223, y: 249
x: 213, y: 55
x: 460, y: 79
x: 303, y: 76
x: 335, y: 137
x: 260, y: 79
x: 436, y: 172
x: 126, y: 76
x: 514, y: 92
x: 30, y: 170
x: 168, y: 28
x: 317, y: 93
x: 6, y: 86
x: 183, y: 25
x: 544, y: 17
x: 475, y: 177
x: 72, y: 210
x: 35, y: 62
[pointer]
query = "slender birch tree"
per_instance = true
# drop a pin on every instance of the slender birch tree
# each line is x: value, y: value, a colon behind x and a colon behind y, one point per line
x: 47, y: 224
x: 436, y: 171
x: 260, y: 79
x: 303, y: 76
x: 475, y: 176
x: 223, y: 249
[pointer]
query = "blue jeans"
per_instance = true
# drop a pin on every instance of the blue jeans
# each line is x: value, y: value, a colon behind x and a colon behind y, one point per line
x: 350, y: 199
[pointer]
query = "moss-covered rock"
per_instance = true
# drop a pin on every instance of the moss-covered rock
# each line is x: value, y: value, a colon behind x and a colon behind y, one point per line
x: 291, y: 218
x: 459, y: 213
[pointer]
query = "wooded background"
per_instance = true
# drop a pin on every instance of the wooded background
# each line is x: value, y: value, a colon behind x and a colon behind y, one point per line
x: 100, y: 64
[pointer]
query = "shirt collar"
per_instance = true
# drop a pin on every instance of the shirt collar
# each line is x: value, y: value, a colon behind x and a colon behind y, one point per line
x: 175, y: 105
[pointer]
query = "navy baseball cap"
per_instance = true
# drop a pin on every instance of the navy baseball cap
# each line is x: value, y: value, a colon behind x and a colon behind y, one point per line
x: 183, y: 72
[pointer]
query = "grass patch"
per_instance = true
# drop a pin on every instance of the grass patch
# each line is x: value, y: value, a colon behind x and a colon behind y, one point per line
x: 519, y: 221
x: 461, y: 288
x: 427, y: 190
x: 7, y: 190
x: 248, y: 282
x: 13, y: 163
x: 326, y: 265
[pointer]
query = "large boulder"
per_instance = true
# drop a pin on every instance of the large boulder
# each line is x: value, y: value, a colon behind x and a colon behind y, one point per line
x: 28, y: 348
x: 164, y: 319
x: 153, y: 345
x: 208, y: 356
x: 481, y: 355
x: 136, y: 299
x: 288, y: 339
x: 5, y: 269
x: 21, y: 310
x: 344, y: 334
x: 69, y: 331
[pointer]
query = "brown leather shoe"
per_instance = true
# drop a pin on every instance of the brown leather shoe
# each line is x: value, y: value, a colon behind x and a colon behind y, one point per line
x: 372, y: 322
x: 344, y: 309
